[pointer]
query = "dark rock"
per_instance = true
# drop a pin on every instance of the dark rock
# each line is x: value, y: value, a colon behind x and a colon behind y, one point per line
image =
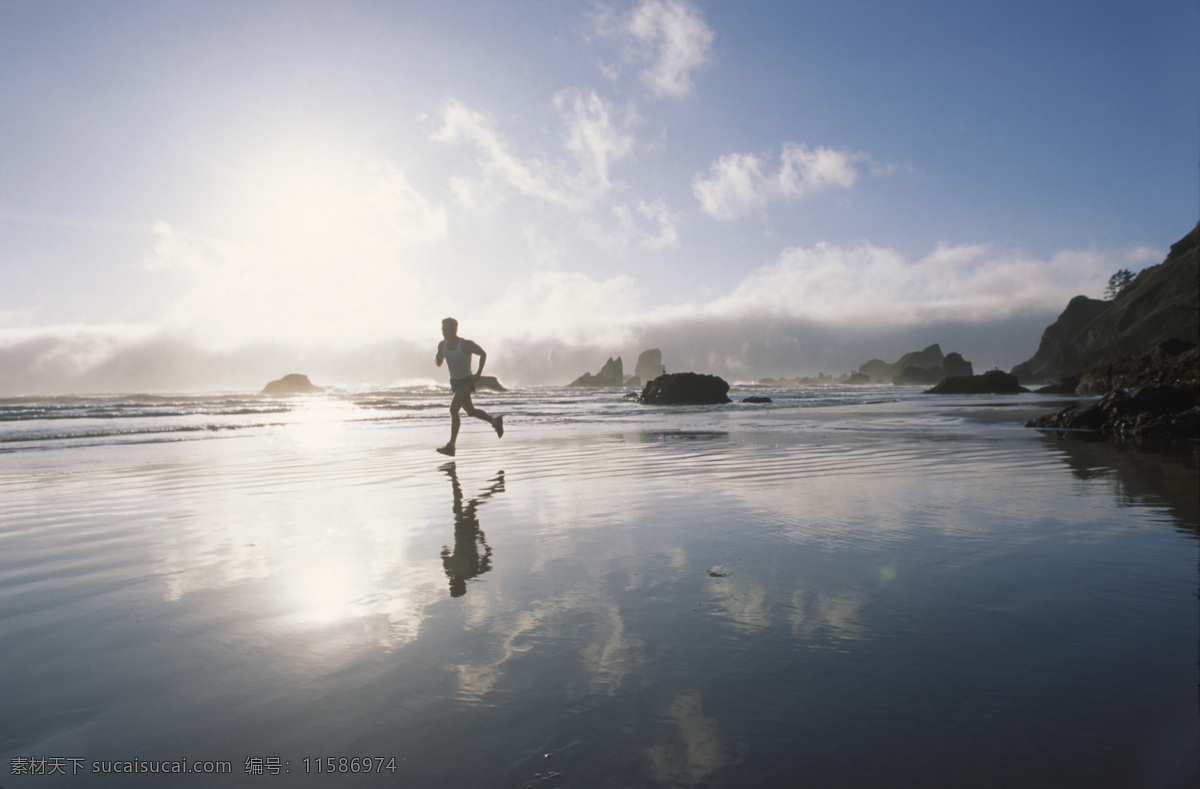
x: 917, y: 368
x: 611, y: 374
x: 926, y: 359
x: 649, y: 366
x: 991, y: 382
x: 1173, y: 362
x: 876, y: 370
x: 489, y: 383
x: 954, y: 366
x: 294, y: 383
x: 1066, y: 386
x: 756, y: 399
x: 1156, y: 394
x: 1158, y: 410
x: 918, y: 376
x: 685, y: 389
x: 1056, y: 353
x: 858, y: 379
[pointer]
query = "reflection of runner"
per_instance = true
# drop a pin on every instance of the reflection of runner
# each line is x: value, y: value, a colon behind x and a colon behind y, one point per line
x: 465, y: 562
x: 457, y: 352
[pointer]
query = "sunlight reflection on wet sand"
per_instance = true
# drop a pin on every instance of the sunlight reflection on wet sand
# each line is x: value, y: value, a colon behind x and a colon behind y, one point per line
x: 653, y: 608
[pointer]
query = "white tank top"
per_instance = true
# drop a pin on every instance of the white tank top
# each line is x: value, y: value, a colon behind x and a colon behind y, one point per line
x: 458, y: 360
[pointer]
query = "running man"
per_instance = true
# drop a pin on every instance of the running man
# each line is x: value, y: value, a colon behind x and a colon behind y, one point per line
x: 457, y: 352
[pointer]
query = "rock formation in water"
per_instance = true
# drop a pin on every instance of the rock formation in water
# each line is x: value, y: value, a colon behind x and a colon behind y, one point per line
x: 991, y: 382
x: 685, y: 389
x: 1161, y: 304
x: 292, y: 384
x: 649, y: 366
x: 611, y: 374
x: 489, y: 383
x: 922, y: 368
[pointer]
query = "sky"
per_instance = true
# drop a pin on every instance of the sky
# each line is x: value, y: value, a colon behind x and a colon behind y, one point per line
x: 209, y: 195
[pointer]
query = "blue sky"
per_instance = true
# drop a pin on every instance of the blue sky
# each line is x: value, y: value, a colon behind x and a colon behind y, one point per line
x: 208, y: 195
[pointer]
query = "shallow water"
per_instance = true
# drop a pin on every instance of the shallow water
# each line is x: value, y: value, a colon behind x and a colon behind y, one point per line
x: 881, y: 591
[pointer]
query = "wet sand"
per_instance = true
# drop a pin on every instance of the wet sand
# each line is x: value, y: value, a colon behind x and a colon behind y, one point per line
x: 740, y: 603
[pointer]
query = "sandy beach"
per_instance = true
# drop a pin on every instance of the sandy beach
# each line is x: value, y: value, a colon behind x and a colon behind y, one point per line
x: 896, y: 594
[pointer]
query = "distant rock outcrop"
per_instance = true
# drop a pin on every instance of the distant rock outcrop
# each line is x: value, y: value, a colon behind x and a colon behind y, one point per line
x: 489, y: 383
x: 611, y: 374
x: 1161, y: 304
x: 954, y: 366
x: 991, y: 382
x: 685, y: 389
x: 649, y: 366
x: 918, y: 376
x: 292, y: 384
x: 917, y: 368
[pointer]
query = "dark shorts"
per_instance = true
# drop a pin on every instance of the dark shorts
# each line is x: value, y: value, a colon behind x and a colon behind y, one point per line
x: 461, y: 385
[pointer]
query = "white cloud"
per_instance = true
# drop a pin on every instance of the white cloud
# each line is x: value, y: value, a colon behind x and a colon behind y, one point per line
x: 597, y: 138
x: 592, y: 137
x: 567, y: 307
x: 629, y: 232
x: 532, y: 177
x: 674, y: 37
x: 737, y: 184
x: 18, y: 318
x: 735, y: 187
x: 869, y: 285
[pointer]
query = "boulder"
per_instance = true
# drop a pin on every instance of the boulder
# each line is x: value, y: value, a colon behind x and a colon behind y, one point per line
x: 859, y: 379
x: 489, y: 383
x: 611, y: 374
x: 1158, y: 410
x: 685, y: 389
x: 991, y: 382
x: 1152, y: 395
x: 756, y: 399
x: 291, y: 384
x: 649, y: 366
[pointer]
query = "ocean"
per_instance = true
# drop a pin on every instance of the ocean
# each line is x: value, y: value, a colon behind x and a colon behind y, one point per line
x: 847, y: 586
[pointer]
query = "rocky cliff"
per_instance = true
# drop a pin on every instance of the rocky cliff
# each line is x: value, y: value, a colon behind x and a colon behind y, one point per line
x: 1161, y: 304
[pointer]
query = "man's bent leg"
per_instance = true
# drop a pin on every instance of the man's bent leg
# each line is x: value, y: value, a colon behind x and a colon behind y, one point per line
x: 497, y: 422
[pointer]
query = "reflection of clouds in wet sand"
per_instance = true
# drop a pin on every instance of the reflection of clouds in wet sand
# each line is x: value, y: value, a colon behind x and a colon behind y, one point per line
x: 832, y: 615
x: 743, y: 602
x: 749, y: 607
x: 593, y: 652
x: 695, y: 750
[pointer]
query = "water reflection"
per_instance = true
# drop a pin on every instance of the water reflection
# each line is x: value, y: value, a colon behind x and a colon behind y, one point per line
x: 471, y: 555
x: 1156, y: 474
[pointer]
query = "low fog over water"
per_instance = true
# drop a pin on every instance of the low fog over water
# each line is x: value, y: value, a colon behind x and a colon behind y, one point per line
x: 745, y: 350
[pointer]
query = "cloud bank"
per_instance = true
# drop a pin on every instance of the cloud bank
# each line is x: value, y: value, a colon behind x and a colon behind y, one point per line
x: 825, y: 308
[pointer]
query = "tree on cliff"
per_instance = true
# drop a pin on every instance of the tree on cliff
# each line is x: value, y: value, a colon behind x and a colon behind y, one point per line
x: 1118, y: 282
